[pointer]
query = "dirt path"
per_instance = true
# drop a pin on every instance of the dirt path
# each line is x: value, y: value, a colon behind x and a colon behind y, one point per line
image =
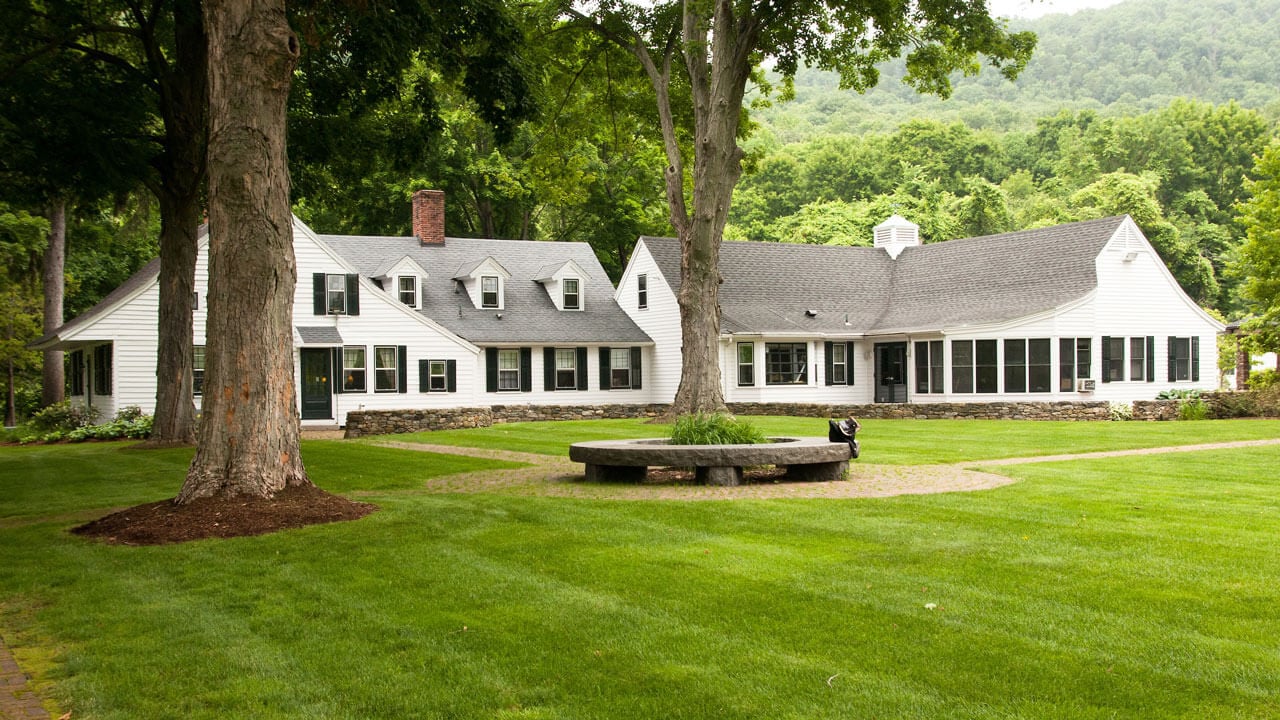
x: 558, y: 477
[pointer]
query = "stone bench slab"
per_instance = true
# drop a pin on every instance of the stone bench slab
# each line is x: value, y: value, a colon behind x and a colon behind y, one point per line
x: 806, y: 458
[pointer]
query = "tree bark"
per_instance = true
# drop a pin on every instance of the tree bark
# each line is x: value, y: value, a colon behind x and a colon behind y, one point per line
x: 53, y: 375
x: 248, y: 435
x: 184, y: 109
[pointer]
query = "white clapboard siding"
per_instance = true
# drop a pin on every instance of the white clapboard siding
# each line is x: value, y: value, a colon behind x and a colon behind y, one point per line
x: 660, y: 320
x: 813, y: 390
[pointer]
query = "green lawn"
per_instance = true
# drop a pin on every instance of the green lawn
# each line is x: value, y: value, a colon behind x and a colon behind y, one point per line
x: 1127, y: 587
x: 897, y: 442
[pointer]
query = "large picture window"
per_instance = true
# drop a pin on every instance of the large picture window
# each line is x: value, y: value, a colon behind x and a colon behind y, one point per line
x: 986, y: 367
x: 1040, y: 365
x: 1015, y: 366
x: 353, y: 369
x: 961, y: 366
x: 786, y: 363
x: 385, y: 370
x: 746, y: 364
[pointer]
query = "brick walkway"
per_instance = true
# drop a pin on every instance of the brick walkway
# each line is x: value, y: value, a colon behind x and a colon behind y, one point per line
x: 17, y: 702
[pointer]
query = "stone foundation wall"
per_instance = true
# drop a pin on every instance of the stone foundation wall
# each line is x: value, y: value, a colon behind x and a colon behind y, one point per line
x: 362, y: 423
x: 936, y: 411
x: 1156, y: 409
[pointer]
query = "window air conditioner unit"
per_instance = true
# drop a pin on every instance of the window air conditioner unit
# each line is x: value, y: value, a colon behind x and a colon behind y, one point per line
x: 1086, y: 385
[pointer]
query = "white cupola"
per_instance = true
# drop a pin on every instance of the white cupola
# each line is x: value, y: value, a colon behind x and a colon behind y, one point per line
x: 895, y: 234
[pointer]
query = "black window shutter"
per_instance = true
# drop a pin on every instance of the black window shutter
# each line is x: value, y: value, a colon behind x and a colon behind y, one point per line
x: 353, y: 294
x: 1195, y: 358
x: 526, y: 369
x: 424, y: 376
x: 1173, y: 358
x: 636, y: 359
x: 402, y: 368
x: 451, y: 375
x: 317, y: 294
x: 848, y: 363
x: 491, y: 369
x: 1106, y: 359
x: 549, y: 369
x: 826, y: 352
x: 336, y: 356
x: 581, y: 368
x: 1151, y: 358
x: 604, y: 368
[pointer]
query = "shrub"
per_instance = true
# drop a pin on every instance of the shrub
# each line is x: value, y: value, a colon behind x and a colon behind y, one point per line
x: 1193, y: 409
x: 715, y: 429
x: 1120, y: 411
x: 1263, y: 379
x: 129, y: 423
x: 63, y: 417
x: 1178, y: 394
x: 1225, y: 405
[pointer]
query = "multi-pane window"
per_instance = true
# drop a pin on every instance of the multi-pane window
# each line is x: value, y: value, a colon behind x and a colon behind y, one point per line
x: 1114, y: 365
x: 437, y: 376
x: 1179, y: 359
x: 384, y: 369
x: 336, y: 294
x: 489, y: 291
x: 642, y: 291
x: 1075, y: 362
x: 929, y: 367
x: 786, y: 363
x: 961, y: 366
x: 409, y: 290
x: 986, y: 368
x: 839, y: 364
x: 197, y: 370
x: 1040, y: 365
x: 1028, y: 366
x: 76, y: 373
x: 1137, y: 358
x: 353, y: 369
x: 1015, y: 366
x: 572, y: 298
x: 508, y: 369
x: 566, y: 369
x: 746, y: 364
x: 102, y: 370
x: 620, y: 368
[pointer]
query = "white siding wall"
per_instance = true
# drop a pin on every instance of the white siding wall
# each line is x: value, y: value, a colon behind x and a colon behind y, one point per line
x: 383, y: 320
x: 660, y: 321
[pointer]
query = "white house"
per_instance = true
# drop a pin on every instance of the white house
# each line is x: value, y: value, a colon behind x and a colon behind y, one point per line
x: 398, y: 322
x: 1083, y: 311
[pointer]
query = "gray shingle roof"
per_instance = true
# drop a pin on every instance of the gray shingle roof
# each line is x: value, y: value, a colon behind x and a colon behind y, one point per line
x: 528, y: 314
x: 858, y: 290
x: 319, y: 335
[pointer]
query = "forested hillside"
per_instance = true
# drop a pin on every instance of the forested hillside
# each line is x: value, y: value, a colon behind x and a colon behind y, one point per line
x: 1132, y: 57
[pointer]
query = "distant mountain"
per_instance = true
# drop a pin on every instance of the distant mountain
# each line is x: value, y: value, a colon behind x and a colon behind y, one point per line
x: 1129, y: 58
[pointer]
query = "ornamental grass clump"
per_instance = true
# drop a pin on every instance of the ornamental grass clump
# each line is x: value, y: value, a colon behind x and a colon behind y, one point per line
x: 715, y: 429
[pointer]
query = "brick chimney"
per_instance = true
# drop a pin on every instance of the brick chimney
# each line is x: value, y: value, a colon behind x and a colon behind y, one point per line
x: 428, y: 216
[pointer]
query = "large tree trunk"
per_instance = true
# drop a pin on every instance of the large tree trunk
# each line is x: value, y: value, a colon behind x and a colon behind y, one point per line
x: 184, y: 108
x: 54, y: 380
x: 248, y: 436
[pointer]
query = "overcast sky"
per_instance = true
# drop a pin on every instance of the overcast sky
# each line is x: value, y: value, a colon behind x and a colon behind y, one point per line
x: 1036, y: 8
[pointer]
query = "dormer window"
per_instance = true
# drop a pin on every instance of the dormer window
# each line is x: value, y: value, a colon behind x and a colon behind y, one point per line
x: 408, y: 285
x: 489, y: 291
x: 572, y: 297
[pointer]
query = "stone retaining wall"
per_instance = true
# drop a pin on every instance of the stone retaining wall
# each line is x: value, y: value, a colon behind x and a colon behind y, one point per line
x: 382, y: 422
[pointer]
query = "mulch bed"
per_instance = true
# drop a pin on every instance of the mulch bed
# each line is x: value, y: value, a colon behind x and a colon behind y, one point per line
x: 164, y: 522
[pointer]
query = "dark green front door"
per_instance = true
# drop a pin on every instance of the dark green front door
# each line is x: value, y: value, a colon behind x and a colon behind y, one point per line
x: 891, y: 372
x: 317, y: 397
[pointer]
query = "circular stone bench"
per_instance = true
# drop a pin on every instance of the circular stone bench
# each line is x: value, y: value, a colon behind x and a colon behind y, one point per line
x: 806, y: 459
